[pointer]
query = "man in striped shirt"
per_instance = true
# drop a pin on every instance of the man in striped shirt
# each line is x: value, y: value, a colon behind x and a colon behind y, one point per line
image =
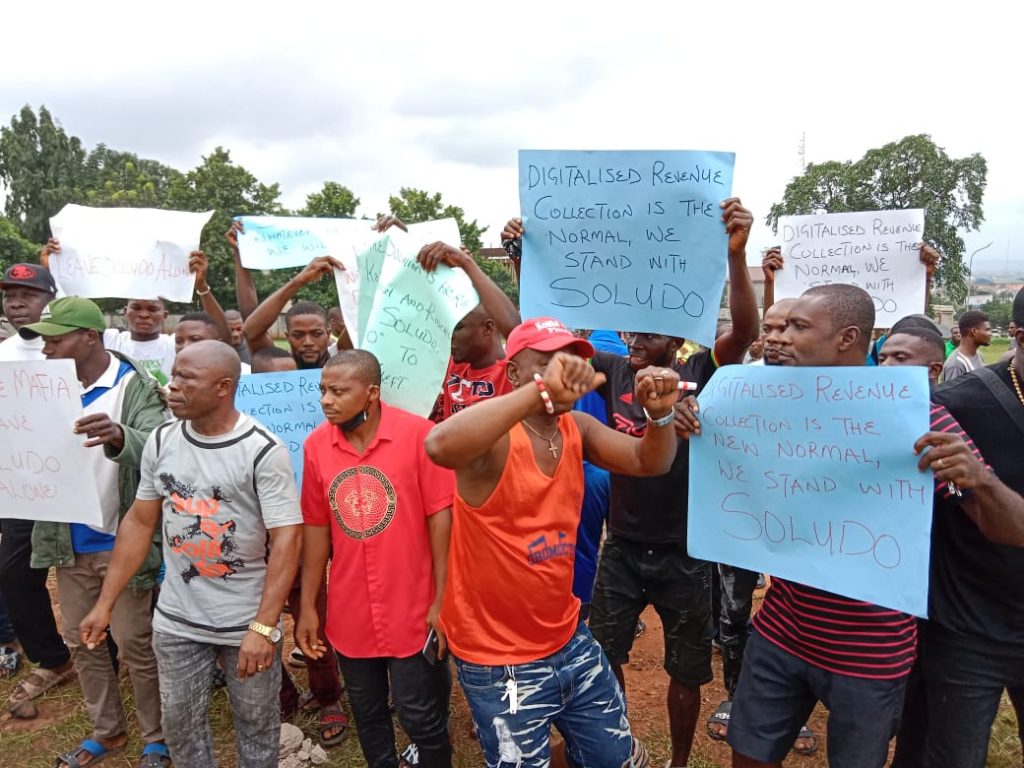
x: 810, y: 645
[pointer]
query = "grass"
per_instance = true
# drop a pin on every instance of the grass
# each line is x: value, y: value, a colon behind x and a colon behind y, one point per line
x: 995, y: 350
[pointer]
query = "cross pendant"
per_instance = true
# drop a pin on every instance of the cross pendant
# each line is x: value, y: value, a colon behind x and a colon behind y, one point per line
x: 553, y: 449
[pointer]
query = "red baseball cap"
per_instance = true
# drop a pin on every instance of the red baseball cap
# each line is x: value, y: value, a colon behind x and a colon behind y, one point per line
x: 546, y: 334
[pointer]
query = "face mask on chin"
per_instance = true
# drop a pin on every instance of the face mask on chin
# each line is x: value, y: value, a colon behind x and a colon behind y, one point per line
x: 357, y: 421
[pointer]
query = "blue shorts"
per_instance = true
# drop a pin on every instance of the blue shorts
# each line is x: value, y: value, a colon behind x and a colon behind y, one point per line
x: 777, y: 692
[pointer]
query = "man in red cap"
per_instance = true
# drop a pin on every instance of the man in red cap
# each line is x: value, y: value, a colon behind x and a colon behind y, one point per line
x: 28, y: 288
x: 524, y: 658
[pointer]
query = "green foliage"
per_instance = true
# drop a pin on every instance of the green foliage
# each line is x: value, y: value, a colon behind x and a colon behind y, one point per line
x: 14, y: 247
x: 501, y: 276
x: 40, y: 167
x: 334, y: 200
x: 416, y: 205
x: 115, y: 179
x: 910, y: 173
x: 999, y: 310
x: 229, y: 190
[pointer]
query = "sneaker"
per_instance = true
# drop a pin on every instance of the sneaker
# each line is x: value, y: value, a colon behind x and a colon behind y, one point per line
x: 10, y: 661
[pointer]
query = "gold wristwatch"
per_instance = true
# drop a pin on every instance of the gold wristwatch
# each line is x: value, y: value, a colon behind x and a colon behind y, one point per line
x: 273, y: 634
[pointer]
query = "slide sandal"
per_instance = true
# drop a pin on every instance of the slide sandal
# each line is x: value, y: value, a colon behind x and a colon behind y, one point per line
x: 807, y: 735
x: 96, y: 752
x: 720, y: 718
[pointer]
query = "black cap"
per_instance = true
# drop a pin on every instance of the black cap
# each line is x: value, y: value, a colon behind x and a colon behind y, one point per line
x: 29, y: 276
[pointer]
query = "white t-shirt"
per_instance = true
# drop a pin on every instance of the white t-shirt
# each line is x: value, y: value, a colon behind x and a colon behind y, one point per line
x: 220, y: 495
x: 17, y: 349
x: 156, y: 356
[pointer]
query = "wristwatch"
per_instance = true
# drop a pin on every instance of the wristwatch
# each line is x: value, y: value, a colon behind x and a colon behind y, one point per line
x: 273, y: 634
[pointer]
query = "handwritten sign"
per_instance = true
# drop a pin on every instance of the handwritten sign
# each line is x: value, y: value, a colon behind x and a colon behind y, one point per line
x: 356, y: 304
x: 809, y: 474
x: 45, y: 471
x: 287, y: 404
x: 277, y: 242
x: 630, y: 240
x: 127, y: 253
x: 877, y: 251
x: 407, y: 319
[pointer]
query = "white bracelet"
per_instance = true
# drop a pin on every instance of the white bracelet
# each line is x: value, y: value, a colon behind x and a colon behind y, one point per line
x: 664, y: 421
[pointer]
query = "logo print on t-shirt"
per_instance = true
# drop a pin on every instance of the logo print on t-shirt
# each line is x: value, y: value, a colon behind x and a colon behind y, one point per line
x: 363, y: 501
x: 540, y: 549
x: 478, y: 389
x: 206, y: 544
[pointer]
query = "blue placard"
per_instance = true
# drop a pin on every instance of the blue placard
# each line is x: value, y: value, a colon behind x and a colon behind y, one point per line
x: 287, y: 404
x: 809, y: 474
x: 630, y: 240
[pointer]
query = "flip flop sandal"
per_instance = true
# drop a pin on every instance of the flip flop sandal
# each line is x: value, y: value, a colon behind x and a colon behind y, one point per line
x: 36, y: 684
x: 96, y: 751
x: 155, y: 755
x: 332, y: 719
x: 806, y: 733
x: 721, y: 717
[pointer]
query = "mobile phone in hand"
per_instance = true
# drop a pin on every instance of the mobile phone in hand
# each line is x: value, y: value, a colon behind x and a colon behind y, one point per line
x: 431, y: 647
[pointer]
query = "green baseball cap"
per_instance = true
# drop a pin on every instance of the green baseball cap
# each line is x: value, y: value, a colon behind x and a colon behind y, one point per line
x: 71, y: 313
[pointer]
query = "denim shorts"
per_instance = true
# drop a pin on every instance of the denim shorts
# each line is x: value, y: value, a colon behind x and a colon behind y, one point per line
x: 573, y: 689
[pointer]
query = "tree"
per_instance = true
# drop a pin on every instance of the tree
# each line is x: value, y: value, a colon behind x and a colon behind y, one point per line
x: 910, y: 173
x: 14, y: 247
x: 122, y: 180
x: 999, y: 310
x: 416, y: 205
x: 334, y: 200
x: 229, y: 190
x: 40, y: 167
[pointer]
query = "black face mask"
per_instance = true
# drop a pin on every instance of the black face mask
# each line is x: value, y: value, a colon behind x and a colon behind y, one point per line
x: 357, y: 421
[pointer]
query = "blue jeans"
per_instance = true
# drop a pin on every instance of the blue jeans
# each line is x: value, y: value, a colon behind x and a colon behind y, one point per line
x: 573, y: 689
x: 186, y: 670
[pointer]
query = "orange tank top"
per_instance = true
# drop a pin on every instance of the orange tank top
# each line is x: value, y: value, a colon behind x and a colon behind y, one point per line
x: 509, y: 595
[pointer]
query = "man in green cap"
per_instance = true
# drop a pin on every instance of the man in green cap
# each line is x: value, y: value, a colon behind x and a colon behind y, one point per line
x: 122, y: 405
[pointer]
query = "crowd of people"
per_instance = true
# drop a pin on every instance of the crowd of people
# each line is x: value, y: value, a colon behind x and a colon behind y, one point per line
x: 520, y: 531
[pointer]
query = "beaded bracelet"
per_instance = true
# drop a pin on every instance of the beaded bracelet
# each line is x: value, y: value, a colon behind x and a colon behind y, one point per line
x: 544, y: 396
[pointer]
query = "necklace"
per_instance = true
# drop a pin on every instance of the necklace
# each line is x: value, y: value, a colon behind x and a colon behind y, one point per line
x: 1016, y: 382
x: 550, y: 440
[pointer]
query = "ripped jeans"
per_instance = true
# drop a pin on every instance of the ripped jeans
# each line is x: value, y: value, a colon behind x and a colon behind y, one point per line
x: 573, y: 689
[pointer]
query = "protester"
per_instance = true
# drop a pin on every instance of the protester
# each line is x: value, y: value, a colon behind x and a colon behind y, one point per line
x: 525, y: 659
x: 973, y: 642
x: 273, y: 360
x: 238, y: 343
x: 975, y: 332
x: 111, y: 384
x: 372, y: 500
x: 222, y: 489
x: 793, y: 658
x: 644, y: 560
x: 338, y: 330
x: 144, y: 341
x: 305, y: 321
x: 27, y: 289
x: 476, y: 368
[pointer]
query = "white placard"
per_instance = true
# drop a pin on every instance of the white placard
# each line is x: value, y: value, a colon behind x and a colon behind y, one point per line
x: 127, y: 253
x: 875, y: 250
x: 44, y: 470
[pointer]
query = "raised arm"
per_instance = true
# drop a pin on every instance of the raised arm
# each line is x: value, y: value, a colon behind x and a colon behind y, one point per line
x: 258, y: 324
x: 197, y: 265
x: 134, y: 537
x: 245, y: 288
x: 771, y: 263
x: 494, y: 301
x: 657, y: 390
x: 512, y: 242
x: 731, y: 345
x: 930, y: 258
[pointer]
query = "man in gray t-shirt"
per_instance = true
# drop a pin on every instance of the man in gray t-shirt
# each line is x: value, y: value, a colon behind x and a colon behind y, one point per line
x: 223, y: 488
x: 975, y: 332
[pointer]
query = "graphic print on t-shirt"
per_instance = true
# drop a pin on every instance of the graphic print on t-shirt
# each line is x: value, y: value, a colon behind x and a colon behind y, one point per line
x: 542, y: 549
x: 465, y: 392
x: 363, y: 501
x: 207, y: 544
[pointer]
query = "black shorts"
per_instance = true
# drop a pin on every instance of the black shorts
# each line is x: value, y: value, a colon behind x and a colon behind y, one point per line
x: 777, y: 692
x: 632, y: 575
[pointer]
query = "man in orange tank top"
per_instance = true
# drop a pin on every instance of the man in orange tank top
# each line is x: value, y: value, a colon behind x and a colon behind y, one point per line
x: 525, y: 661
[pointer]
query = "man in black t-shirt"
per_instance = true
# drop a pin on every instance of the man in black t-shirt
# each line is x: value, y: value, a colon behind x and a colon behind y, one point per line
x: 972, y: 647
x: 644, y: 560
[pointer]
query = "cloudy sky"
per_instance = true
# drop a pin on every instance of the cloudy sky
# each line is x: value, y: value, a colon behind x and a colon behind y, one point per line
x: 441, y: 95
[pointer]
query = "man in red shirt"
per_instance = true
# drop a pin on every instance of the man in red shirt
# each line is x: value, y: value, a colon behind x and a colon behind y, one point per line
x: 381, y: 511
